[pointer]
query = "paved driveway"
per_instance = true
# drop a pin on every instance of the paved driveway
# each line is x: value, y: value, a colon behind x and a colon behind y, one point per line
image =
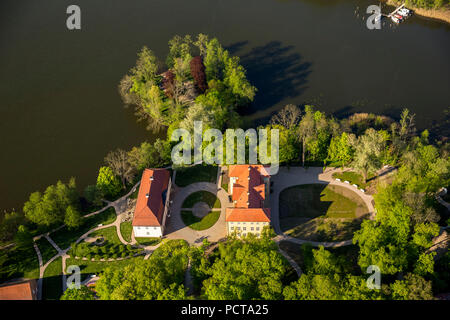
x: 175, y: 227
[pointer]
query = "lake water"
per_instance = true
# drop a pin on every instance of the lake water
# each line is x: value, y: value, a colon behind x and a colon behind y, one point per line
x: 60, y: 112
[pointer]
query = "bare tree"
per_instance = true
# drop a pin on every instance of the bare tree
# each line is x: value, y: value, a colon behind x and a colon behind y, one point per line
x: 287, y: 117
x: 118, y: 162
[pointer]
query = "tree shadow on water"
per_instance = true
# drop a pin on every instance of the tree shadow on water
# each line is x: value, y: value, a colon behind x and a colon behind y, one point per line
x: 234, y: 48
x: 277, y: 71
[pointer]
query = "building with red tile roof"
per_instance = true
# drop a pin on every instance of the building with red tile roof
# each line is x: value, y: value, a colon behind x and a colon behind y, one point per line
x: 26, y: 290
x: 152, y: 203
x: 248, y: 187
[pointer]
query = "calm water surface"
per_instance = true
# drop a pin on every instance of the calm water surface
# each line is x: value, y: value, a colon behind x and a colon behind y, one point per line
x: 60, y: 112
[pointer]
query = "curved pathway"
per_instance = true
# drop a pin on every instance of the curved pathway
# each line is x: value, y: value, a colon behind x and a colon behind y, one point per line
x: 119, y: 205
x: 293, y: 176
x: 291, y: 261
x: 439, y: 199
x: 176, y: 229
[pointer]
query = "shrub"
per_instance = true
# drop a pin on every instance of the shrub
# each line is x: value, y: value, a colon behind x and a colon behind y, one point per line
x: 114, y: 256
x: 97, y: 257
x: 124, y: 254
x: 129, y: 247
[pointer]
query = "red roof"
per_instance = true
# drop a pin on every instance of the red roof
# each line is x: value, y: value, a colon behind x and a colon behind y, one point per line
x: 150, y: 206
x: 249, y: 193
x: 248, y: 215
x: 19, y: 291
x: 249, y: 189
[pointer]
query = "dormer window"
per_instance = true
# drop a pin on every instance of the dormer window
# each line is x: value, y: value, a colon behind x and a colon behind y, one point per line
x: 151, y: 178
x: 146, y: 195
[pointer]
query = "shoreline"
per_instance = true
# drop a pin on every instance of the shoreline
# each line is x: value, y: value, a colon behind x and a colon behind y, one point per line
x: 442, y: 15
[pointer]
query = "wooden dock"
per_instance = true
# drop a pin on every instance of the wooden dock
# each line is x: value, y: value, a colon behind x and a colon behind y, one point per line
x: 393, y: 12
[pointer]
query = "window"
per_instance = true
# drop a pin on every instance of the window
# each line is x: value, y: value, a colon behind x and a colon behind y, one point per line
x: 148, y: 233
x: 252, y: 228
x: 238, y: 228
x: 257, y: 228
x: 244, y: 234
x: 244, y: 228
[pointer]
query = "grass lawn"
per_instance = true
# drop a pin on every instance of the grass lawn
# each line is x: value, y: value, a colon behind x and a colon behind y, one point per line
x: 126, y: 228
x: 319, y: 212
x: 95, y: 267
x: 198, y: 173
x: 109, y: 234
x: 52, y: 283
x: 201, y: 196
x: 197, y: 223
x: 325, y: 229
x: 18, y: 262
x: 46, y: 249
x: 352, y: 177
x: 225, y: 186
x: 148, y: 241
x: 64, y: 236
x: 134, y: 195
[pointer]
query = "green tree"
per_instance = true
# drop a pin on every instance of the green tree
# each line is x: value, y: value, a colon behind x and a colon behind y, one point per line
x: 107, y: 182
x: 413, y: 287
x: 23, y: 237
x: 249, y: 269
x: 93, y: 195
x: 83, y: 293
x: 158, y: 278
x: 179, y: 47
x: 340, y: 149
x: 50, y: 208
x: 73, y: 218
x: 368, y: 152
x: 306, y: 130
x: 9, y: 225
